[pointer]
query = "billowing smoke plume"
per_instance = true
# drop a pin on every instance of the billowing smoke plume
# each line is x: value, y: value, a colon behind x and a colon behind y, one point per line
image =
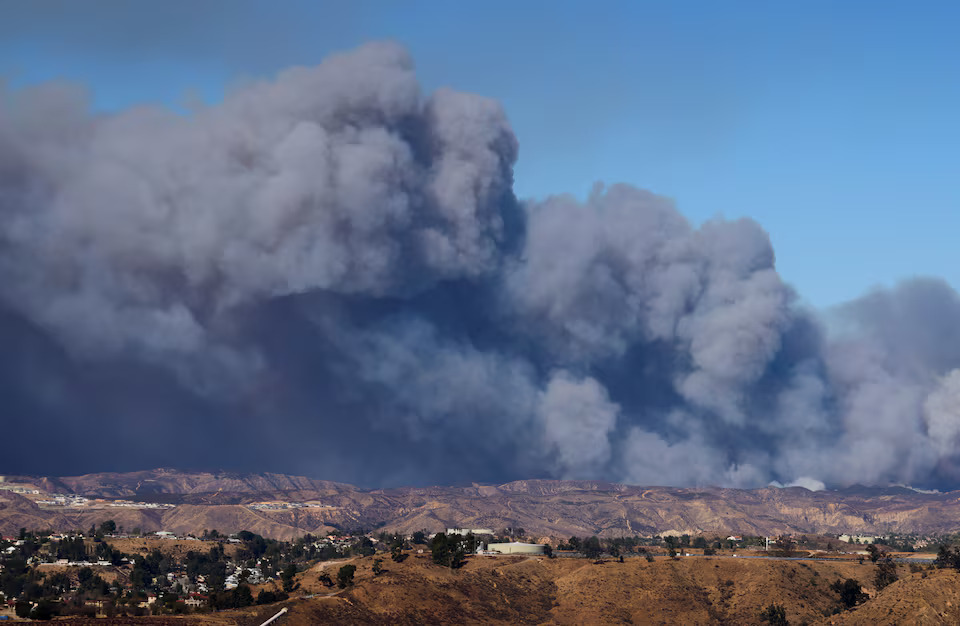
x: 329, y: 273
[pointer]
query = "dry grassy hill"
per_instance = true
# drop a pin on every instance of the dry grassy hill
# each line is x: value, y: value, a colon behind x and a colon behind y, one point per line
x: 516, y: 590
x: 922, y: 599
x: 520, y: 590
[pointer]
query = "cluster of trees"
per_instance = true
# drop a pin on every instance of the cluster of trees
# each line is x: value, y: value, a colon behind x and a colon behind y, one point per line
x: 589, y: 547
x: 241, y: 596
x: 948, y: 557
x: 211, y: 565
x: 450, y: 550
x: 72, y: 549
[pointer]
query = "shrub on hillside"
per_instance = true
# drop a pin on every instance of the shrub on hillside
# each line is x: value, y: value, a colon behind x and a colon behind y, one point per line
x: 850, y: 591
x: 774, y: 614
x: 345, y: 576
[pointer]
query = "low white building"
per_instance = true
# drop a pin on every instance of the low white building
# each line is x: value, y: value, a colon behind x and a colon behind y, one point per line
x: 861, y: 539
x: 516, y: 547
x: 466, y: 531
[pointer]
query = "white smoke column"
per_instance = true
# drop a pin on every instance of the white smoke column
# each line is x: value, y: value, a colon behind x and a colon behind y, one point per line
x: 577, y: 418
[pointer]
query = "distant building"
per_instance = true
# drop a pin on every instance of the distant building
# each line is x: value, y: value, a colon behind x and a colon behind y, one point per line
x: 861, y: 539
x: 515, y: 547
x: 466, y: 531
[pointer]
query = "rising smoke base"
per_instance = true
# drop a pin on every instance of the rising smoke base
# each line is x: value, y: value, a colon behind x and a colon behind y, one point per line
x: 329, y: 273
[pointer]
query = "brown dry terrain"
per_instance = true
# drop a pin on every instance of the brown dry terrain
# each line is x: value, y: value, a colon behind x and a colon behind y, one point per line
x: 534, y: 590
x: 694, y: 590
x: 927, y: 598
x: 177, y: 548
x: 542, y: 507
x: 519, y: 590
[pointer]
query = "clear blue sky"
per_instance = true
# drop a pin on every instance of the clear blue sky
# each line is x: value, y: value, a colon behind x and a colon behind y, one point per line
x: 834, y: 124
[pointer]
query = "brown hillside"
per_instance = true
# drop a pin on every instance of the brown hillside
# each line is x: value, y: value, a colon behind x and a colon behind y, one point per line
x: 930, y: 597
x: 518, y: 590
x: 17, y: 512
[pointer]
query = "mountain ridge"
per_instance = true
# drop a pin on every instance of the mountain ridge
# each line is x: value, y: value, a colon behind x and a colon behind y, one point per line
x: 284, y: 506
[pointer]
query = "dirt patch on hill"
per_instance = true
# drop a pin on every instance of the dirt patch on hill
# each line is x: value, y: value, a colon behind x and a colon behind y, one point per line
x: 177, y: 548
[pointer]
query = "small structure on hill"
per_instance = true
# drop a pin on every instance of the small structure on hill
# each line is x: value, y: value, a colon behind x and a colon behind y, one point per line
x: 463, y: 532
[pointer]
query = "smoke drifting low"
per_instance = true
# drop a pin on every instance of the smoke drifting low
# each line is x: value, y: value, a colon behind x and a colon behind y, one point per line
x: 329, y: 273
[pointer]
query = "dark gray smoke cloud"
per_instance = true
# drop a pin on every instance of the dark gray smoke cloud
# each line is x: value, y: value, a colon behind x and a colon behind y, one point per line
x: 329, y: 273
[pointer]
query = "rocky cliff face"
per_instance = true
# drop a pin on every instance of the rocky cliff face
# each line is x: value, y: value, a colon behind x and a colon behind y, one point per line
x: 542, y: 507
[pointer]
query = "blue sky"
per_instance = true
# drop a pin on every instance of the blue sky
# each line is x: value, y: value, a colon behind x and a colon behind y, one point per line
x: 833, y: 124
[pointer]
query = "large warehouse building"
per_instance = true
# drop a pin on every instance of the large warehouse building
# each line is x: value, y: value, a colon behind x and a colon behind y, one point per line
x: 516, y: 547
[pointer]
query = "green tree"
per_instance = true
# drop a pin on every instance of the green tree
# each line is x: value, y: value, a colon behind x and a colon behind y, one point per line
x: 886, y: 571
x: 85, y: 578
x: 396, y: 551
x: 419, y: 537
x: 672, y: 544
x: 774, y: 614
x: 345, y: 576
x: 377, y: 566
x: 243, y: 596
x: 287, y: 577
x: 108, y: 527
x: 447, y: 550
x: 592, y: 548
x: 22, y: 608
x: 364, y: 547
x: 947, y: 557
x: 850, y: 591
x: 266, y: 597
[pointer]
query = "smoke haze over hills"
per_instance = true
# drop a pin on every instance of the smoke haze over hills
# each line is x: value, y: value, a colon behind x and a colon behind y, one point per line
x: 329, y: 274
